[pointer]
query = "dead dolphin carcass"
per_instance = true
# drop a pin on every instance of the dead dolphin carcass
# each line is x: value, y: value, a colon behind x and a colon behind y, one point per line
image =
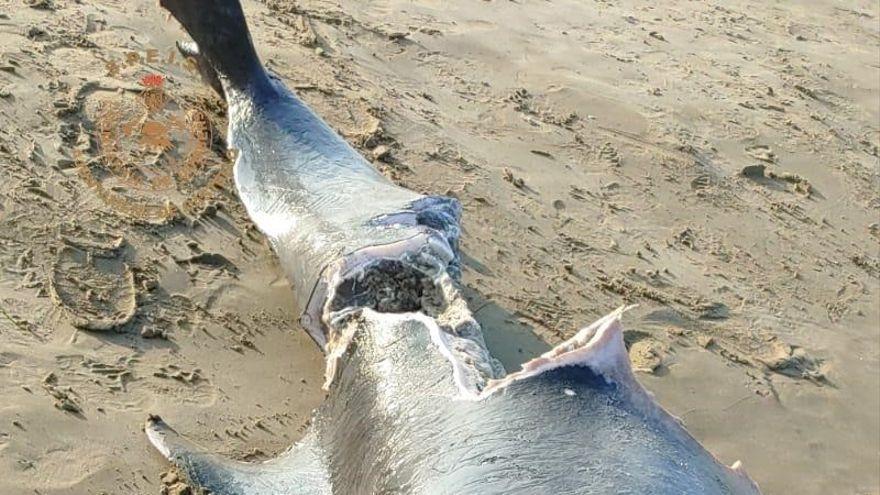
x: 416, y: 403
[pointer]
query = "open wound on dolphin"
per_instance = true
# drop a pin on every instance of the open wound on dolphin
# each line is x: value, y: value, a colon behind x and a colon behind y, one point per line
x: 417, y: 286
x: 414, y: 286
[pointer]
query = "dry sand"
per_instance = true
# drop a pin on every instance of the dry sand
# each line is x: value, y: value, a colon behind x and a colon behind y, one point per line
x: 715, y: 162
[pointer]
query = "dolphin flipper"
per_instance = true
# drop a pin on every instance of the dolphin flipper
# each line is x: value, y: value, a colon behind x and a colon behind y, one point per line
x: 299, y: 471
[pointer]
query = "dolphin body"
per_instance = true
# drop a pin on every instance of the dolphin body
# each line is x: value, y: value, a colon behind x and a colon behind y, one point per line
x: 416, y: 404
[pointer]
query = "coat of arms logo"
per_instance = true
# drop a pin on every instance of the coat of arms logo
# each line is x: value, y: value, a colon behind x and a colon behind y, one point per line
x: 153, y: 153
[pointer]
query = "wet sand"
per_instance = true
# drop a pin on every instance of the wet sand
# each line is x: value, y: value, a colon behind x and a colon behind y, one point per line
x: 716, y: 163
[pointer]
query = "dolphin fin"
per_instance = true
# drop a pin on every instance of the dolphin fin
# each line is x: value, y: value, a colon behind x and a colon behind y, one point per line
x: 298, y: 471
x: 599, y: 346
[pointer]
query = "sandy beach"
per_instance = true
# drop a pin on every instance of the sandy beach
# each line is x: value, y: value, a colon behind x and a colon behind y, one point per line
x: 715, y: 163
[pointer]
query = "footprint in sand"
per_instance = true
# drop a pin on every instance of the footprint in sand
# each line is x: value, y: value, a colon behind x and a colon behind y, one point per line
x: 94, y: 287
x: 762, y: 152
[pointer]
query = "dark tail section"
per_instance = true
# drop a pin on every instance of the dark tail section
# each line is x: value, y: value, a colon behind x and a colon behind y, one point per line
x: 219, y: 29
x: 190, y: 50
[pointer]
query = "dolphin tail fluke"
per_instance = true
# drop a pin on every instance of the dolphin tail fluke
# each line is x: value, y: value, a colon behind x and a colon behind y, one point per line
x: 190, y: 50
x: 299, y: 471
x: 224, y: 43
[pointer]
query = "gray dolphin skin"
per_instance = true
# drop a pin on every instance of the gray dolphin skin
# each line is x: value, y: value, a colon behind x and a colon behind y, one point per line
x: 415, y: 404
